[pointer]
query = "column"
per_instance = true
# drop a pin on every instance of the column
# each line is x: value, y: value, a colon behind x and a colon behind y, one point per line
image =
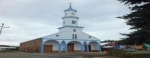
x: 82, y: 47
x: 42, y: 48
x: 66, y: 48
x: 99, y: 47
x: 87, y: 48
x: 59, y: 48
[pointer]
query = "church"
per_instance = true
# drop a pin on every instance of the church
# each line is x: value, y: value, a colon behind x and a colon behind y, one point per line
x: 70, y: 38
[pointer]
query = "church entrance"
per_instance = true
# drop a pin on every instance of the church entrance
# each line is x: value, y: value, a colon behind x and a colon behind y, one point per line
x: 89, y: 46
x: 51, y: 46
x: 47, y: 48
x: 74, y: 46
x: 70, y: 47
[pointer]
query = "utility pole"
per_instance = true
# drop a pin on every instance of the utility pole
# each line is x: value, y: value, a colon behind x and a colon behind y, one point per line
x: 2, y: 28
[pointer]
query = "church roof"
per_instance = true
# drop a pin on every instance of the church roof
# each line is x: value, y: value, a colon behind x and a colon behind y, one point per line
x: 70, y: 17
x: 71, y: 26
x: 70, y: 9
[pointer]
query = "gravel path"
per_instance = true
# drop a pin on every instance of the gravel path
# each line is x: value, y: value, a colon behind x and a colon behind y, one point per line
x: 52, y: 55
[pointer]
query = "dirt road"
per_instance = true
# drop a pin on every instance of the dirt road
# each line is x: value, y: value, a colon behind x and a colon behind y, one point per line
x: 52, y: 55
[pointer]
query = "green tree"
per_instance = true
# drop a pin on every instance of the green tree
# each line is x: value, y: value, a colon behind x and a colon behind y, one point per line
x: 139, y: 20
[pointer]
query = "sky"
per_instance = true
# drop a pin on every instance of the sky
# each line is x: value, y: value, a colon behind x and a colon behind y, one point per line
x: 30, y: 19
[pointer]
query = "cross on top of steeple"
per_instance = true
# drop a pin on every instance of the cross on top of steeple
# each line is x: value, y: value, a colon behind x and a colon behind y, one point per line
x: 70, y: 3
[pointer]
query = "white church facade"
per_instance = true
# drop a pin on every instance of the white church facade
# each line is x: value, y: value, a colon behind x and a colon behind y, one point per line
x: 70, y: 37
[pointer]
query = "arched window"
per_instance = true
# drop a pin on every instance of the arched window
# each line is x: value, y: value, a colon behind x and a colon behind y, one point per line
x: 63, y: 22
x: 74, y: 30
x: 65, y: 14
x: 57, y: 35
x: 73, y: 22
x: 75, y: 36
x: 89, y: 36
x: 72, y: 13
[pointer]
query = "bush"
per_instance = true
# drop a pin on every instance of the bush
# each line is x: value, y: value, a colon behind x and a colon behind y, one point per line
x: 117, y: 53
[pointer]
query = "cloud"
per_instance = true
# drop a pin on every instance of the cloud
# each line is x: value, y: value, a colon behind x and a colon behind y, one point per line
x: 30, y: 19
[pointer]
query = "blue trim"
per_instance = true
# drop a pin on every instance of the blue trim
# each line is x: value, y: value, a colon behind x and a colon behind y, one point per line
x: 70, y: 17
x: 70, y: 39
x: 75, y: 41
x: 70, y: 9
x: 59, y: 48
x: 99, y: 48
x: 51, y: 39
x: 42, y: 48
x: 82, y: 47
x: 87, y: 47
x: 70, y: 26
x: 94, y: 41
x: 66, y: 48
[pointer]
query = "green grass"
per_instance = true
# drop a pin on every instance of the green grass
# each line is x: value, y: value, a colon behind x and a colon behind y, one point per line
x: 138, y: 54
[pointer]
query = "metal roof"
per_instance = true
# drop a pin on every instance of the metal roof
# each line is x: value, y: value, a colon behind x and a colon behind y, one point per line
x: 70, y: 9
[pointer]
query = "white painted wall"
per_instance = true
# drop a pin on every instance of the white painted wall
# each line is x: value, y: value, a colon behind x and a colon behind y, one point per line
x: 68, y: 21
x: 54, y: 43
x: 68, y: 35
x: 70, y: 29
x: 77, y: 45
x: 69, y: 13
x: 94, y: 46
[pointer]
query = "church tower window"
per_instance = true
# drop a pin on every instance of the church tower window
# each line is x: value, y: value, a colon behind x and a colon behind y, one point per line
x: 72, y: 36
x: 73, y: 22
x: 65, y: 14
x: 64, y: 22
x: 72, y: 13
x: 57, y: 35
x: 74, y: 30
x: 75, y: 36
x: 89, y: 36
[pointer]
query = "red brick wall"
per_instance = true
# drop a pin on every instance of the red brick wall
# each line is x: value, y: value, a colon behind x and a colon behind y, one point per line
x: 31, y: 46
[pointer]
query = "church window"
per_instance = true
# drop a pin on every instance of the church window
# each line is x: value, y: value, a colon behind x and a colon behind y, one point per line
x: 65, y: 14
x: 74, y: 30
x: 57, y: 35
x: 89, y: 36
x: 72, y: 13
x: 75, y: 36
x: 72, y: 36
x: 73, y: 22
x: 64, y: 22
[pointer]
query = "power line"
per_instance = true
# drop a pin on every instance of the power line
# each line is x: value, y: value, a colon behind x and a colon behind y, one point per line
x: 4, y: 18
x: 2, y: 28
x: 3, y: 11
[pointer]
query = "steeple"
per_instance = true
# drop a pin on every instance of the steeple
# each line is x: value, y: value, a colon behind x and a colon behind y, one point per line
x: 70, y: 8
x: 70, y: 19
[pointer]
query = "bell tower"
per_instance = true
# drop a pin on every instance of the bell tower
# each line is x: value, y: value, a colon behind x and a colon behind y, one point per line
x: 70, y: 18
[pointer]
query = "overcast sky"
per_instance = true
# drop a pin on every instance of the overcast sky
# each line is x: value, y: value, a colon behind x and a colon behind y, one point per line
x: 30, y: 19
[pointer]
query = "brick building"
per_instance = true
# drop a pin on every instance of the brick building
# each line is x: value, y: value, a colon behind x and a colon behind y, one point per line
x: 31, y: 46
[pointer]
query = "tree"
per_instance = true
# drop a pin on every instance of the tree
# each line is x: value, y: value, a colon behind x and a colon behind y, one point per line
x: 139, y: 20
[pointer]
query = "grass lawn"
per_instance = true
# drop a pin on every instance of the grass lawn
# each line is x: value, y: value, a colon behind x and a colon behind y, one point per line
x: 138, y: 54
